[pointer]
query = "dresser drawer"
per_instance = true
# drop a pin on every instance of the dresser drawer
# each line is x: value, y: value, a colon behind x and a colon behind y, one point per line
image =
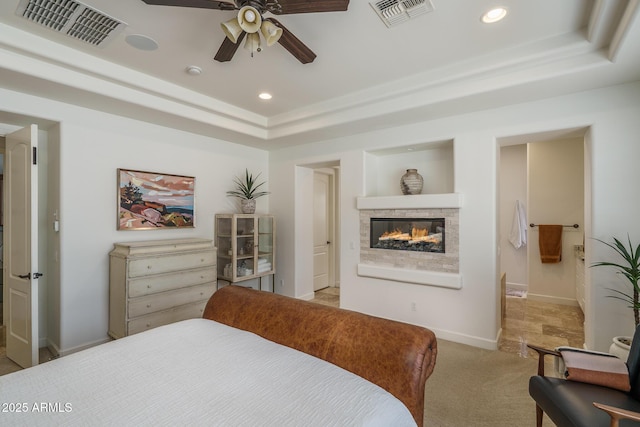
x: 152, y: 303
x: 150, y: 321
x: 167, y: 282
x: 171, y: 262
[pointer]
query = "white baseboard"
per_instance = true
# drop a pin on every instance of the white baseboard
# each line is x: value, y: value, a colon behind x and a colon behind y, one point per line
x: 82, y: 347
x: 484, y: 343
x: 307, y: 297
x: 552, y: 299
x: 517, y: 286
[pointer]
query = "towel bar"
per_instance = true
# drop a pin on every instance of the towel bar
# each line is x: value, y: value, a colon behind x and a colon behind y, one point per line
x: 572, y: 225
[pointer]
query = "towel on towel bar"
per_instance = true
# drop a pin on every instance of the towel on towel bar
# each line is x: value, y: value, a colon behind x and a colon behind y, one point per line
x: 550, y: 242
x: 518, y: 234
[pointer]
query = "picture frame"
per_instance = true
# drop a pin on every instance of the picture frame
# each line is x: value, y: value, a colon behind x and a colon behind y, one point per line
x: 154, y: 201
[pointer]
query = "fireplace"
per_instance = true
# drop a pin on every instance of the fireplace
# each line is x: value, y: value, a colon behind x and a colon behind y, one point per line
x: 400, y: 264
x: 408, y: 234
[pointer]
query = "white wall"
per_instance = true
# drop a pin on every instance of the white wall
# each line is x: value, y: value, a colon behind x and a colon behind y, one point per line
x: 513, y: 187
x: 92, y: 146
x: 556, y: 196
x: 614, y: 166
x: 469, y: 315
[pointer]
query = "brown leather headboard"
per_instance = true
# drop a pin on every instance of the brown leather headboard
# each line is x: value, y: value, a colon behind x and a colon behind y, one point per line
x: 396, y: 356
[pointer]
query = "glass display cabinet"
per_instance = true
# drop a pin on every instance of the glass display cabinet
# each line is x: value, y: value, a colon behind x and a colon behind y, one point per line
x: 246, y: 246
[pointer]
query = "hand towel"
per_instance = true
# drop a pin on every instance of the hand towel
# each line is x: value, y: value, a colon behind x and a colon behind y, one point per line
x: 518, y: 234
x: 550, y: 242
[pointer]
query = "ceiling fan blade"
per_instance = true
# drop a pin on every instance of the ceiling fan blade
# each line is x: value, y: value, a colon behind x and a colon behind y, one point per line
x: 284, y: 7
x: 203, y: 4
x: 294, y: 45
x: 228, y: 49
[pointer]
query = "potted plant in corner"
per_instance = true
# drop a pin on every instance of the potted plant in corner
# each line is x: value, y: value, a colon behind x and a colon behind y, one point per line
x: 247, y: 191
x: 630, y: 269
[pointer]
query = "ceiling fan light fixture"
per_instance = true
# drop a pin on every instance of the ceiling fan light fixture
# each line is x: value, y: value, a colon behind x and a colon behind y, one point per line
x: 252, y: 43
x: 232, y: 29
x: 270, y: 32
x: 249, y: 19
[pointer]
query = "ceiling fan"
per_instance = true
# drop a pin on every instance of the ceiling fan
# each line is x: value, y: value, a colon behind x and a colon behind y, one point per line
x: 250, y: 22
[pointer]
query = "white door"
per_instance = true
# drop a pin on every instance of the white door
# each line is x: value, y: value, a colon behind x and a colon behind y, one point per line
x: 21, y: 246
x: 320, y: 231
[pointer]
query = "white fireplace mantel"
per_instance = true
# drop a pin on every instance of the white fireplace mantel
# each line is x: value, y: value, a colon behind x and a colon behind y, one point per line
x: 416, y: 201
x: 420, y: 277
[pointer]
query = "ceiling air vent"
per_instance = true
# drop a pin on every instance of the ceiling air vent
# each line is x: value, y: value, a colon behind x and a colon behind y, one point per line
x: 395, y: 12
x: 72, y: 18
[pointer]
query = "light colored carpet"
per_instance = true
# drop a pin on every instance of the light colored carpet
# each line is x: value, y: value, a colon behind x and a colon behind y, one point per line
x: 472, y: 387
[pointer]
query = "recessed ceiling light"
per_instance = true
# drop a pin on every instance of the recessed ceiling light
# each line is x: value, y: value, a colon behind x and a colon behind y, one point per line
x: 141, y: 42
x: 193, y: 70
x: 494, y: 15
x: 265, y: 96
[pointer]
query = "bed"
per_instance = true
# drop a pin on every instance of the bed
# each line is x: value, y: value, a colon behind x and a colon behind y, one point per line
x: 255, y: 358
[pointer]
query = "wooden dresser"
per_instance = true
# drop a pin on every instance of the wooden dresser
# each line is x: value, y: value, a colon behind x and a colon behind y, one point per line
x: 153, y: 283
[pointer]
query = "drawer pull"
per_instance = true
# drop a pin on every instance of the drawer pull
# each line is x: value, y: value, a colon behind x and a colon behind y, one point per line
x: 148, y: 286
x: 148, y: 305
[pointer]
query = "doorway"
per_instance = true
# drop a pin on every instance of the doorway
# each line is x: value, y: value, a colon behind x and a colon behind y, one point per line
x: 2, y: 323
x: 545, y: 175
x: 48, y: 180
x: 316, y: 264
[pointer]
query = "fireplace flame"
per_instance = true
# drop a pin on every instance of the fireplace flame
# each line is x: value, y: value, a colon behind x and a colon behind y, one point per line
x: 417, y: 235
x: 397, y: 234
x: 419, y: 232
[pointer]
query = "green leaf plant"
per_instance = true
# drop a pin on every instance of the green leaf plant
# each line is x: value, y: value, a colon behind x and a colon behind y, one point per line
x: 247, y: 187
x: 629, y: 269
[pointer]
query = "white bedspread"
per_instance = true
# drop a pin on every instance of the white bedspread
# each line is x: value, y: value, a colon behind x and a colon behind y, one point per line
x: 196, y: 373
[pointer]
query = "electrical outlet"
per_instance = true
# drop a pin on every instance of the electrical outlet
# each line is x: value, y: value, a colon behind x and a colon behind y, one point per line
x: 413, y: 306
x: 282, y: 283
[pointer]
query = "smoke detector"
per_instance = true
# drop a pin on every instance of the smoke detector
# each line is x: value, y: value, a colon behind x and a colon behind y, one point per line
x: 72, y: 18
x: 395, y: 12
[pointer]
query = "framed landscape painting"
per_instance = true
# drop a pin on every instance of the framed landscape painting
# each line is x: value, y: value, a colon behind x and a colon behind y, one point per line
x: 151, y: 200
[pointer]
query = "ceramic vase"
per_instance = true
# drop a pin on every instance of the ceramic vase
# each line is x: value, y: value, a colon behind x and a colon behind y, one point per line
x: 248, y: 205
x: 411, y: 182
x: 620, y: 348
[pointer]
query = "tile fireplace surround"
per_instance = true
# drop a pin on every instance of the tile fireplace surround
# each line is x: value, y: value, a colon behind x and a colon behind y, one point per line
x: 424, y: 268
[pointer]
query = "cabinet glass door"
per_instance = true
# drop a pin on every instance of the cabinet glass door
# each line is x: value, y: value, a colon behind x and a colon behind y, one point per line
x: 245, y: 247
x: 265, y: 244
x: 225, y: 247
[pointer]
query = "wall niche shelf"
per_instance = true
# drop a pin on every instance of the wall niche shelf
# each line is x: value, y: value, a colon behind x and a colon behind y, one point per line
x: 434, y: 161
x: 416, y: 201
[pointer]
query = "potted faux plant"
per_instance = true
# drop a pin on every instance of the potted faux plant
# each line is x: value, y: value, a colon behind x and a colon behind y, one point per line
x: 630, y: 269
x: 247, y: 191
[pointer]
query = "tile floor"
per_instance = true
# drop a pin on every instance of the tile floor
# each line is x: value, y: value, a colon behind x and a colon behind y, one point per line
x: 327, y: 296
x: 540, y: 323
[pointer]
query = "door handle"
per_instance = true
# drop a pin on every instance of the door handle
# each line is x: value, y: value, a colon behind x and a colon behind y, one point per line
x: 328, y: 242
x: 28, y: 275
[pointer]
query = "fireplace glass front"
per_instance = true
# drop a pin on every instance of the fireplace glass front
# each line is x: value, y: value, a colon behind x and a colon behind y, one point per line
x: 408, y: 234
